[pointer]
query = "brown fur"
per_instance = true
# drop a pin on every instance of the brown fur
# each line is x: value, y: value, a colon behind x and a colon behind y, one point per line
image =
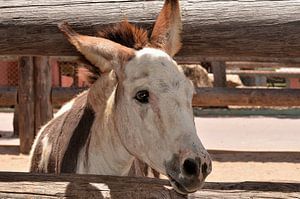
x: 135, y: 37
x: 111, y: 51
x: 123, y: 33
x: 79, y: 138
x: 62, y: 135
x: 168, y: 28
x: 126, y: 34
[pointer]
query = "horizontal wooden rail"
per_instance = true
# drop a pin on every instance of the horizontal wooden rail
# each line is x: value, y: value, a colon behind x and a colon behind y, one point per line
x: 8, y: 96
x: 248, y: 190
x: 264, y: 73
x: 63, y: 95
x: 59, y: 96
x: 213, y: 30
x: 26, y: 185
x: 246, y: 97
x: 203, y: 97
x: 242, y: 64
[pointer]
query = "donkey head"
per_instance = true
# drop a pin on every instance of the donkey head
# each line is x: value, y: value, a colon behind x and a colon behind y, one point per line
x: 153, y: 98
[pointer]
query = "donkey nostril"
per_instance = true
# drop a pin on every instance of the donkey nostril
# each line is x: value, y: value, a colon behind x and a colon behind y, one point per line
x: 204, y: 169
x: 190, y: 167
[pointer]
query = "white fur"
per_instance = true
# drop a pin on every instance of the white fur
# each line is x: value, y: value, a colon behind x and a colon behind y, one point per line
x: 112, y: 147
x: 66, y: 107
x: 125, y: 129
x: 47, y: 147
x: 36, y: 142
x: 160, y: 132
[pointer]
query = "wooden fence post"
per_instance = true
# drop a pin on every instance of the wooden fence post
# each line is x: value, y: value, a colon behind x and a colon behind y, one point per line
x: 34, y: 98
x: 43, y: 104
x: 26, y: 103
x: 219, y: 71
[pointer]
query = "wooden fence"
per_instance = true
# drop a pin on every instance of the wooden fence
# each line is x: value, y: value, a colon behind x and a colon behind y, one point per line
x: 241, y: 31
x: 25, y: 185
x: 214, y: 31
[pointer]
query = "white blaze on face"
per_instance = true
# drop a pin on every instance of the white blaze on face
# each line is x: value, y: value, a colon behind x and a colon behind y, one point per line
x: 164, y: 126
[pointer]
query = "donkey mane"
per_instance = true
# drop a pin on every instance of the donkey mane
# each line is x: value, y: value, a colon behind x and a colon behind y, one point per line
x: 126, y: 34
x: 123, y: 33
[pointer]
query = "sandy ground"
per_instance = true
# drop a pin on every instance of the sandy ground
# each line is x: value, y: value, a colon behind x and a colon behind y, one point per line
x: 238, y: 134
x: 222, y: 171
x: 249, y: 133
x: 14, y: 162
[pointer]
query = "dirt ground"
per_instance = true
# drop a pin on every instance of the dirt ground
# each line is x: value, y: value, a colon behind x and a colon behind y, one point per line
x: 222, y: 171
x: 270, y: 135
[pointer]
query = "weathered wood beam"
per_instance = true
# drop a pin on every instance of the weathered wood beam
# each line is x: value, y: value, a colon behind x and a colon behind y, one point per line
x: 213, y: 30
x: 26, y: 185
x: 264, y: 73
x: 247, y: 190
x: 43, y: 86
x: 203, y: 97
x: 255, y: 156
x: 8, y: 58
x: 63, y: 95
x: 244, y: 194
x: 249, y: 65
x: 33, y: 105
x: 8, y: 96
x: 59, y: 96
x: 25, y: 103
x: 219, y: 72
x: 246, y: 97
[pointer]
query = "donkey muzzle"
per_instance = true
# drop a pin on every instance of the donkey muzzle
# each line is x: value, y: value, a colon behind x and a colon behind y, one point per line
x: 187, y: 175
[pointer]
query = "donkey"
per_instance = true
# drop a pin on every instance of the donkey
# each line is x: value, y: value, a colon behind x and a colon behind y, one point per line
x: 138, y: 106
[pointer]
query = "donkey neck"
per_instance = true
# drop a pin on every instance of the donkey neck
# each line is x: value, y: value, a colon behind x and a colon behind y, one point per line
x: 104, y: 153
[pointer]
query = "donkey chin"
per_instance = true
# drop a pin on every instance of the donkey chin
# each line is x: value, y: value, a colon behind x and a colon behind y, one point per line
x: 189, y: 177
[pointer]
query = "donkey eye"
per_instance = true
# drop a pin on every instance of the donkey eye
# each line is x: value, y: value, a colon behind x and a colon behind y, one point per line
x: 142, y: 96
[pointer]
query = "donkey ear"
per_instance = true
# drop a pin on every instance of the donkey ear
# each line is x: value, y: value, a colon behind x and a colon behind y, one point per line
x: 103, y: 53
x: 167, y: 28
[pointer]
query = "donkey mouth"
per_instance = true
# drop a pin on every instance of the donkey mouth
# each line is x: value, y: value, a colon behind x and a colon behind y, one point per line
x: 179, y: 187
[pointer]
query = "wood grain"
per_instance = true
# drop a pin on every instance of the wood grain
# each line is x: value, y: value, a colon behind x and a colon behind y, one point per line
x: 249, y: 190
x: 27, y: 185
x: 265, y: 73
x: 250, y: 65
x: 59, y: 96
x: 203, y: 97
x: 208, y: 194
x: 63, y: 95
x: 219, y: 72
x: 43, y: 86
x: 246, y: 97
x: 26, y: 97
x: 8, y: 96
x: 213, y: 30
